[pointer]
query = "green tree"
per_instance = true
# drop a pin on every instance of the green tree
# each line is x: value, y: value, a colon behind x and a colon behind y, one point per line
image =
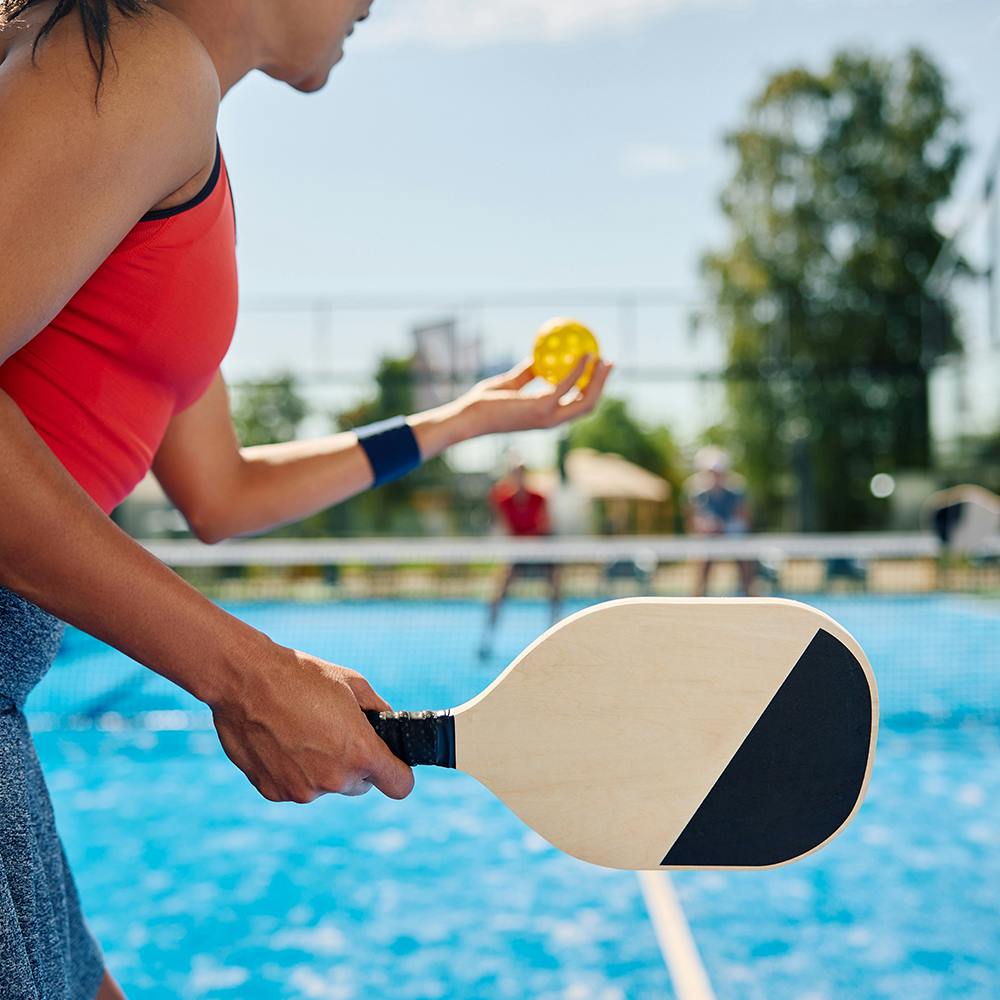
x: 393, y: 395
x: 389, y: 509
x: 613, y: 429
x: 823, y: 293
x: 267, y: 412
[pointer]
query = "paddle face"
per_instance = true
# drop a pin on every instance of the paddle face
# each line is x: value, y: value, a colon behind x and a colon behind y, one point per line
x: 679, y: 733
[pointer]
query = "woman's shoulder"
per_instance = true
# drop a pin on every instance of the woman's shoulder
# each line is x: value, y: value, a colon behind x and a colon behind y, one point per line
x: 154, y: 65
x: 157, y: 102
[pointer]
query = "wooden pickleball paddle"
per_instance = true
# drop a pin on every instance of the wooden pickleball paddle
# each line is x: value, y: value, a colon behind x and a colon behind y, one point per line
x: 670, y: 733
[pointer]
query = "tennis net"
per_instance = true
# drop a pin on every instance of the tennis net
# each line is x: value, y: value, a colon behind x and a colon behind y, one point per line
x: 412, y: 614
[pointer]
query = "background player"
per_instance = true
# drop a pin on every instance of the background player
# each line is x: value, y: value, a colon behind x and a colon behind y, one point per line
x: 718, y: 506
x: 523, y: 513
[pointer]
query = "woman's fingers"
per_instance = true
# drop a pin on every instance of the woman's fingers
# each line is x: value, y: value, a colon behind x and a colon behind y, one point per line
x: 379, y: 766
x: 573, y: 377
x: 386, y: 771
x: 361, y: 786
x: 366, y: 694
x: 587, y: 399
x: 517, y: 378
x: 383, y: 768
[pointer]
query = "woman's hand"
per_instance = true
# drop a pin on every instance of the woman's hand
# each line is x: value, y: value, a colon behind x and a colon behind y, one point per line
x: 297, y: 731
x: 503, y: 403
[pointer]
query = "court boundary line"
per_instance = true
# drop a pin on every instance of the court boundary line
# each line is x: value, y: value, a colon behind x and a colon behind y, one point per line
x: 673, y: 934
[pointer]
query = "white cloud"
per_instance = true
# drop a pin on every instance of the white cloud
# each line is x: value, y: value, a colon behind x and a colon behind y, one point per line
x: 649, y: 159
x: 462, y: 23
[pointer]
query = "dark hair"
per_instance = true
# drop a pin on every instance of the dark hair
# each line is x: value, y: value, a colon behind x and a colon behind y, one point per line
x: 95, y: 19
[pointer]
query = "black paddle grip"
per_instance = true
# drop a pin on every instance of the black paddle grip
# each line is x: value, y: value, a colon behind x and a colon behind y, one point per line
x: 417, y: 737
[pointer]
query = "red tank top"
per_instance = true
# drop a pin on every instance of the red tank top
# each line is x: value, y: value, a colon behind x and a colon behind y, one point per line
x: 138, y: 343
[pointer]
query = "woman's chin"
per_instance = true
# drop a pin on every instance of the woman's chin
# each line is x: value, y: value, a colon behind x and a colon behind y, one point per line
x: 309, y: 85
x: 310, y: 82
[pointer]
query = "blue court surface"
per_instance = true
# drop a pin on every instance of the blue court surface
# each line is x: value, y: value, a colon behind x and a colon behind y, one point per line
x: 197, y: 887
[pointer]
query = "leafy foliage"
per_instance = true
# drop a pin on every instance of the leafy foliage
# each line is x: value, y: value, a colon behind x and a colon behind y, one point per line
x: 830, y: 321
x: 392, y: 508
x: 267, y: 412
x: 393, y: 395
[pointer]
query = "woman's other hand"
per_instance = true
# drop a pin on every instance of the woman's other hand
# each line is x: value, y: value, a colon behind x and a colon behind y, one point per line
x: 295, y: 728
x: 505, y: 402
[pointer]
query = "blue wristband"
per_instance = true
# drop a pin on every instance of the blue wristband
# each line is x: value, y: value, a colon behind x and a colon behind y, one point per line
x: 391, y: 448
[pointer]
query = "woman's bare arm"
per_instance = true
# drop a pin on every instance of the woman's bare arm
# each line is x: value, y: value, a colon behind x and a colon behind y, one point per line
x: 225, y: 491
x: 290, y: 721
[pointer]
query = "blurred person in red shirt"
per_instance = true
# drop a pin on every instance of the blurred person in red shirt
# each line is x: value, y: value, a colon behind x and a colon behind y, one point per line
x: 522, y: 513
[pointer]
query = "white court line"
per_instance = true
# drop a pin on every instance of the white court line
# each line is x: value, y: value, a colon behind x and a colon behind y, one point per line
x: 675, y: 939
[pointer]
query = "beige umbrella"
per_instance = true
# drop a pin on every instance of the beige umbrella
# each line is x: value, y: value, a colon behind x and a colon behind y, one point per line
x: 601, y: 476
x: 627, y: 490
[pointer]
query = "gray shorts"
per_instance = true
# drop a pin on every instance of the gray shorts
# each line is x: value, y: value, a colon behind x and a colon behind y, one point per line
x: 46, y: 951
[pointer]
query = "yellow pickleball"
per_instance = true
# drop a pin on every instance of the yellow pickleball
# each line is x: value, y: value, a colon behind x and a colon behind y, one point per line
x: 558, y: 348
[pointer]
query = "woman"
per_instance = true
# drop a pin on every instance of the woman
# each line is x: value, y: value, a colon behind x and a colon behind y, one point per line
x: 117, y: 303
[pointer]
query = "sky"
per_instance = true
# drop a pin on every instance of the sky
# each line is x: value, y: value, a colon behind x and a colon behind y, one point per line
x: 467, y: 152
